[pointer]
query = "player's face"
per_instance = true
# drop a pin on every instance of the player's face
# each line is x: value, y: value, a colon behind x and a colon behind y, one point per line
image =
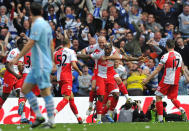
x: 101, y: 43
x: 116, y: 63
x: 108, y: 51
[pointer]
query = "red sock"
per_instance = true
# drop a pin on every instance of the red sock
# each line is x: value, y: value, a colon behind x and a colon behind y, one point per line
x: 91, y: 96
x: 113, y: 104
x: 106, y: 108
x: 176, y: 103
x: 99, y: 105
x: 159, y: 107
x: 73, y: 106
x: 32, y: 115
x: 122, y: 88
x: 1, y: 102
x: 61, y: 104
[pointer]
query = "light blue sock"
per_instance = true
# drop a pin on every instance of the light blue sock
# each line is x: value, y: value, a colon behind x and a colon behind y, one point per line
x: 49, y: 104
x: 33, y: 103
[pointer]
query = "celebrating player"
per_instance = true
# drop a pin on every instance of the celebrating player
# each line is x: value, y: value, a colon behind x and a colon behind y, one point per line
x: 172, y: 62
x: 13, y: 73
x: 65, y: 59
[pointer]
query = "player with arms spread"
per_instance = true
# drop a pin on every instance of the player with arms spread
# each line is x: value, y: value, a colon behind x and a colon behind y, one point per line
x: 172, y: 62
x: 65, y: 59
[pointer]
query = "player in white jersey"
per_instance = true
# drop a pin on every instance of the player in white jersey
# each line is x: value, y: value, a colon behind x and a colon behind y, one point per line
x: 172, y: 62
x: 13, y: 73
x: 97, y: 48
x: 65, y: 59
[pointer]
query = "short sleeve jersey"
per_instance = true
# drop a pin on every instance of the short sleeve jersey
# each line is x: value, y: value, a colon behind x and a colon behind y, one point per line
x: 172, y: 62
x: 63, y: 58
x: 11, y: 55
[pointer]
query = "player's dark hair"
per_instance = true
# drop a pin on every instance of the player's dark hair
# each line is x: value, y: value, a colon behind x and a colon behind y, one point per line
x: 36, y: 9
x: 170, y: 44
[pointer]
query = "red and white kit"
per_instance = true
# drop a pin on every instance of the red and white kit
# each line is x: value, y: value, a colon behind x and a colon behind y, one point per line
x: 106, y: 73
x: 63, y: 58
x: 168, y: 85
x: 10, y: 81
x: 27, y: 69
x: 94, y: 49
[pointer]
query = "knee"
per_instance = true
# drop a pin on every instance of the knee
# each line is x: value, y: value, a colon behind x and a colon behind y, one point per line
x: 100, y: 98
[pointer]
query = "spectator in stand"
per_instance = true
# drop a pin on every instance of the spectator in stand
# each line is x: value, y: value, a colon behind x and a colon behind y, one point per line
x: 3, y: 16
x: 166, y: 14
x: 152, y: 24
x: 84, y: 82
x: 92, y: 41
x: 75, y: 45
x: 132, y: 46
x: 120, y: 69
x: 97, y: 10
x: 184, y: 21
x: 183, y: 50
x: 134, y: 86
x: 153, y: 84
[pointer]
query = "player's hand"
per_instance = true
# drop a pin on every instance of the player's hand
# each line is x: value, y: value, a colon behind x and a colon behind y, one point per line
x: 145, y: 81
x: 14, y: 61
x: 80, y: 73
x: 18, y: 76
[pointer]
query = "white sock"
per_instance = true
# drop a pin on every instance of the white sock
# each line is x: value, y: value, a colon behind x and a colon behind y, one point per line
x: 160, y: 117
x: 51, y: 119
x: 90, y: 104
x: 56, y: 111
x: 126, y: 96
x: 23, y: 115
x: 110, y: 112
x: 99, y: 116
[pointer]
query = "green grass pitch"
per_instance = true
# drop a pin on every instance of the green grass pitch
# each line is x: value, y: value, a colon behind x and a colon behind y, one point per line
x: 140, y: 126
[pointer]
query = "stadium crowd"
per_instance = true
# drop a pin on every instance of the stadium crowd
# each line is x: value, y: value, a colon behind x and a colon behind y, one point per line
x: 135, y: 27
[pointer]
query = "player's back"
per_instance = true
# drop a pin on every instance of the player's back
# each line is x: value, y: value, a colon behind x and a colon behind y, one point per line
x: 63, y: 58
x: 173, y: 63
x: 27, y: 63
x: 41, y: 52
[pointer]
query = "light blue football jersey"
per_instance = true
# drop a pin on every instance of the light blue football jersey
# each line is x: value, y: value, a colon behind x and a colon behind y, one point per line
x: 41, y: 32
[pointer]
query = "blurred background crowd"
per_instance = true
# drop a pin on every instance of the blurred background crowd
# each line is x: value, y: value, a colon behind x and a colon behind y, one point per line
x: 139, y: 27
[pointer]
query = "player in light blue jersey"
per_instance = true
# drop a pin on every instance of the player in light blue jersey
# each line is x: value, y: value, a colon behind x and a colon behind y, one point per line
x: 41, y: 44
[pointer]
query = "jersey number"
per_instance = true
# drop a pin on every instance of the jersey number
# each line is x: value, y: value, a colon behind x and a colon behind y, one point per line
x: 28, y: 61
x: 62, y: 62
x: 175, y: 63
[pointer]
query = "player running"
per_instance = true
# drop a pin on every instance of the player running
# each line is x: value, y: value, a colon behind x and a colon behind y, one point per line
x: 65, y: 59
x: 172, y: 62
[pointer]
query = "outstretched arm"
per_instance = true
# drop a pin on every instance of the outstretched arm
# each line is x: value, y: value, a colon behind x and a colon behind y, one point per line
x: 157, y: 70
x: 83, y: 56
